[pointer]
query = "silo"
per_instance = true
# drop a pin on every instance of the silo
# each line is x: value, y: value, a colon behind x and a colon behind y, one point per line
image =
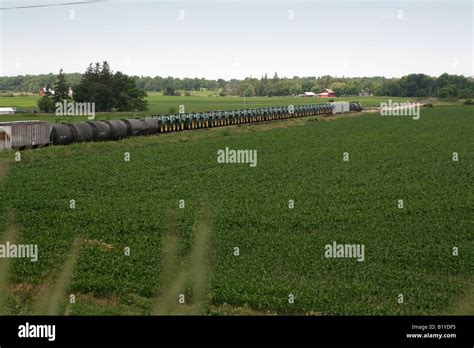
x: 62, y: 134
x: 82, y: 132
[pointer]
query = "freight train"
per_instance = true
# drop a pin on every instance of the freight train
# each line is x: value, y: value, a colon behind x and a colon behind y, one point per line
x: 29, y: 134
x: 63, y: 134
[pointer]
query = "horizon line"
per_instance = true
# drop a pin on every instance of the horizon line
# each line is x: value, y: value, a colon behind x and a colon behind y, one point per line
x: 251, y: 77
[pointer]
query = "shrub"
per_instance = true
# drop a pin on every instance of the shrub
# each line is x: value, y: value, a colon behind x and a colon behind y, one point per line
x: 447, y: 92
x: 46, y: 104
x: 465, y: 93
x: 469, y: 102
x: 312, y: 120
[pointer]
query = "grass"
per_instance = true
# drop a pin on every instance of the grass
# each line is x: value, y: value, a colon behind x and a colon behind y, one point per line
x: 127, y: 204
x: 23, y: 102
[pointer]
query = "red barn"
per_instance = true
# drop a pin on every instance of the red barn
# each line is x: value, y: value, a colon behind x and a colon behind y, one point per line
x: 328, y: 93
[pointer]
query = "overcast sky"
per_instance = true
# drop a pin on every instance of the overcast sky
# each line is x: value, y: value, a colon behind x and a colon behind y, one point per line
x: 240, y: 38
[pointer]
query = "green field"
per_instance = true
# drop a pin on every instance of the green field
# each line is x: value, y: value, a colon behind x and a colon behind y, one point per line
x: 21, y: 102
x: 190, y: 251
x: 158, y: 103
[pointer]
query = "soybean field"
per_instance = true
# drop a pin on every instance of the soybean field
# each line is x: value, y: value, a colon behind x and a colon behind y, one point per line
x: 153, y: 218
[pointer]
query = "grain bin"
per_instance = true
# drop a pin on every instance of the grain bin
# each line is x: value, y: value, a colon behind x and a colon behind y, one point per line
x: 24, y: 134
x: 101, y: 131
x: 82, y: 132
x: 118, y: 129
x: 62, y: 134
x: 135, y: 126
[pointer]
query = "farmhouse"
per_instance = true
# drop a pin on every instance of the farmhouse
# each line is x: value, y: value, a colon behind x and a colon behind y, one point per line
x: 45, y: 91
x: 328, y: 93
x: 48, y: 91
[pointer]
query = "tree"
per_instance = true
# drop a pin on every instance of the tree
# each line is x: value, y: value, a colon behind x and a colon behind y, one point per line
x: 45, y: 104
x: 221, y: 83
x: 338, y: 88
x: 447, y: 92
x: 376, y: 88
x: 48, y: 90
x: 249, y: 91
x: 169, y: 87
x: 466, y: 93
x: 351, y: 89
x: 128, y: 95
x: 307, y: 85
x: 316, y: 88
x: 105, y: 95
x: 60, y: 88
x: 86, y: 91
x: 296, y: 89
x: 108, y: 90
x: 97, y: 76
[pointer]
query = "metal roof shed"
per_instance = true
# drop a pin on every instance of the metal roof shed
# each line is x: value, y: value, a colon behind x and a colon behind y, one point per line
x: 7, y: 111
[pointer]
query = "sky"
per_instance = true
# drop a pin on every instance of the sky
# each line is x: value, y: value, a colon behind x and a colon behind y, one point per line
x: 239, y: 38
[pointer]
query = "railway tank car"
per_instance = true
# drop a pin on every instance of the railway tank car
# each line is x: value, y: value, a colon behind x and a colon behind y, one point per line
x: 62, y: 134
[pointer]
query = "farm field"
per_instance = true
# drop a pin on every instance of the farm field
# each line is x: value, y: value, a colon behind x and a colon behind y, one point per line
x: 135, y: 204
x: 158, y: 103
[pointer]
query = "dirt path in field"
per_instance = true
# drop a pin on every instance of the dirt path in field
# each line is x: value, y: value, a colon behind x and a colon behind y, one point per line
x: 465, y: 304
x: 4, y: 169
x: 9, y: 234
x: 351, y: 114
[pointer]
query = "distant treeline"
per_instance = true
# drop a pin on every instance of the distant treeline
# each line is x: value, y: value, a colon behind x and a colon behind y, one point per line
x: 414, y: 85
